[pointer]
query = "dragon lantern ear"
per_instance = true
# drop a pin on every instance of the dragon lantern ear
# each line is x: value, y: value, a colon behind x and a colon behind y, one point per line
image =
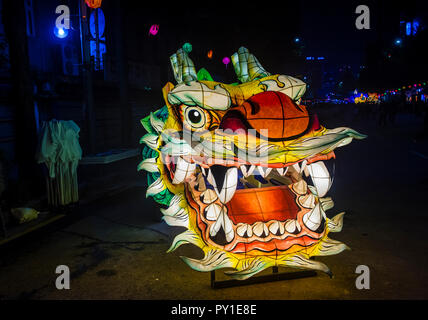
x: 247, y: 67
x: 182, y: 65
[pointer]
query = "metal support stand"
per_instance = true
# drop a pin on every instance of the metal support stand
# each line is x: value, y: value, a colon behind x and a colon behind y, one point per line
x: 275, y: 276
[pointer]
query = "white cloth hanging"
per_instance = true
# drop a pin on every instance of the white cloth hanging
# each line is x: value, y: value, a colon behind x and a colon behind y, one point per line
x: 60, y: 150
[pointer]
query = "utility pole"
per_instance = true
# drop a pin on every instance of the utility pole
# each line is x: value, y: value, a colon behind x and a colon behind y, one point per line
x: 87, y: 65
x: 122, y: 64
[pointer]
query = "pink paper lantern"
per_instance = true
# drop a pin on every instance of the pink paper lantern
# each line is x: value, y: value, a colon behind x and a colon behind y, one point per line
x: 226, y: 61
x: 154, y: 29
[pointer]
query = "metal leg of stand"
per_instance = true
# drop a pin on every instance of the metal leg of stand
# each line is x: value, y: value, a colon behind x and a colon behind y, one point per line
x: 275, y: 276
x: 3, y: 224
x: 213, y: 279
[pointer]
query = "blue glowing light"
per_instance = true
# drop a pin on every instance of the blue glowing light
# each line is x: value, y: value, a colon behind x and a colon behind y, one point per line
x: 297, y: 39
x: 320, y: 58
x: 101, y: 23
x: 408, y: 28
x: 398, y: 41
x: 93, y: 50
x: 97, y: 28
x: 60, y: 32
x: 415, y: 27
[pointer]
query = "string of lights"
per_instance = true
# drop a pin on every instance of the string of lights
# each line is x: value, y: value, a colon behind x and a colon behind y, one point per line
x: 418, y: 86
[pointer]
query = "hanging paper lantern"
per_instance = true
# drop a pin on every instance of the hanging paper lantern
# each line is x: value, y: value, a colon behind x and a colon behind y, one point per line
x: 94, y: 4
x: 154, y: 29
x: 187, y: 47
x: 226, y: 61
x: 210, y: 54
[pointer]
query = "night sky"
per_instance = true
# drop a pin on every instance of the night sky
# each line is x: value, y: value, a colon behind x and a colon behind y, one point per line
x: 329, y: 31
x: 326, y: 28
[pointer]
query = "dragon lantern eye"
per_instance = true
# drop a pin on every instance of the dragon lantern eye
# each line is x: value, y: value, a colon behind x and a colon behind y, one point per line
x: 195, y: 117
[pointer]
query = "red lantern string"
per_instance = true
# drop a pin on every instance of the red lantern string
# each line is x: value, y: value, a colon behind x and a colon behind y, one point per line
x: 94, y: 4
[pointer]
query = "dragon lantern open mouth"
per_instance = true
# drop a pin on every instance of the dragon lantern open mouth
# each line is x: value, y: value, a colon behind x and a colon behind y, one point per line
x: 243, y: 168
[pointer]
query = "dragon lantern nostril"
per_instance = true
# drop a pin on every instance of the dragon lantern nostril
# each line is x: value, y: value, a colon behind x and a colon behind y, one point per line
x: 234, y: 121
x: 315, y: 123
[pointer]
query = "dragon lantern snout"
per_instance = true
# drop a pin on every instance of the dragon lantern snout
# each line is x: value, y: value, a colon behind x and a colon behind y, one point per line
x: 272, y: 111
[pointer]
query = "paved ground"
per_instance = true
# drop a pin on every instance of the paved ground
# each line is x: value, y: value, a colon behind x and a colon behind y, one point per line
x: 117, y: 250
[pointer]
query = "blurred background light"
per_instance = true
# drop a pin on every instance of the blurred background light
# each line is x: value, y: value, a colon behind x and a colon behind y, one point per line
x: 60, y: 32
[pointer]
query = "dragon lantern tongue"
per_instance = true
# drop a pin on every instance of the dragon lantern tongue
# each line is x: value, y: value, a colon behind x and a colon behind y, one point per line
x: 263, y: 204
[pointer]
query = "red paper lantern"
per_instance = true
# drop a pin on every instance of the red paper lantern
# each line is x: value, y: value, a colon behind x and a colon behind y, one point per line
x: 226, y: 61
x: 94, y: 4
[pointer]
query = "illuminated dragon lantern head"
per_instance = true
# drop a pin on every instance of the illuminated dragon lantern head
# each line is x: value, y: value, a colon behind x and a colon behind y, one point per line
x: 242, y: 167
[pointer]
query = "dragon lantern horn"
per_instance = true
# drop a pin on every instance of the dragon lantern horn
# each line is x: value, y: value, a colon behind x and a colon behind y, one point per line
x: 247, y: 67
x: 182, y: 65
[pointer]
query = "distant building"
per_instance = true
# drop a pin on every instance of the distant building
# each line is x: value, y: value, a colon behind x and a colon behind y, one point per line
x: 314, y: 76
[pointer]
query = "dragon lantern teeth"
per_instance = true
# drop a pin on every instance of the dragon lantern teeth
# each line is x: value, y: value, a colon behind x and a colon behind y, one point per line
x: 224, y: 181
